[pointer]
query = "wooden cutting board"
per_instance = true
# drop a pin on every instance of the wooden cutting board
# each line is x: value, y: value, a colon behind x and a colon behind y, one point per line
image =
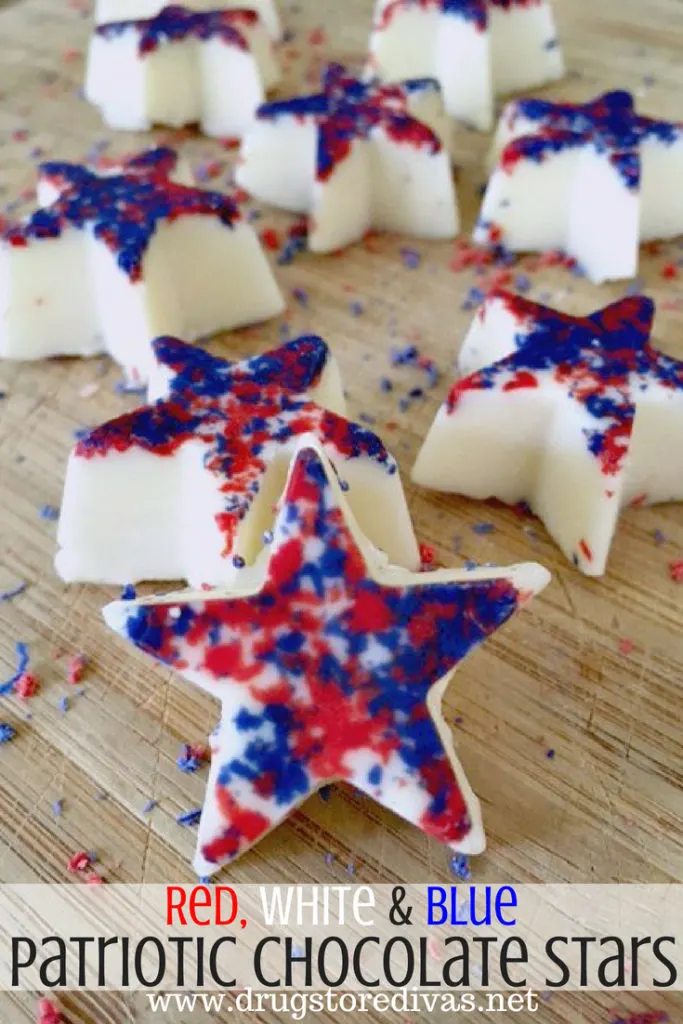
x: 569, y: 722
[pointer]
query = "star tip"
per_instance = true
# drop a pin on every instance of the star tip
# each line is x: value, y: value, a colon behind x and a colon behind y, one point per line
x: 116, y: 615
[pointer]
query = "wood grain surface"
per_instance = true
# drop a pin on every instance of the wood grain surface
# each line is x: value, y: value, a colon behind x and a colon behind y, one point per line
x: 593, y: 671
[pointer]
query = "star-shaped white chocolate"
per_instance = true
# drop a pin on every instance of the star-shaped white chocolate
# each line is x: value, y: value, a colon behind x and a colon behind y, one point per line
x: 117, y: 260
x: 180, y: 67
x: 476, y: 49
x: 358, y: 155
x: 576, y: 416
x: 329, y: 666
x: 184, y: 488
x: 590, y: 180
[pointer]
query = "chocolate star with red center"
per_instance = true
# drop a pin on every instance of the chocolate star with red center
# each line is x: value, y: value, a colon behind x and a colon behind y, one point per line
x: 329, y: 666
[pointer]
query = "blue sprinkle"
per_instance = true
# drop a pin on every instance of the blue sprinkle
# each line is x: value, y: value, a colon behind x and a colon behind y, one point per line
x: 325, y: 792
x: 404, y: 356
x: 460, y: 866
x: 300, y: 295
x: 411, y: 258
x: 356, y: 308
x: 22, y: 664
x: 9, y: 595
x: 238, y: 562
x: 149, y: 806
x: 80, y: 433
x: 659, y: 537
x: 128, y: 593
x: 49, y: 512
x: 469, y: 564
x: 63, y: 704
x: 351, y: 869
x: 189, y: 818
x: 124, y: 387
x: 416, y: 393
x: 186, y: 762
x: 57, y: 807
x: 365, y: 417
x: 550, y: 754
x: 329, y: 858
x: 205, y: 880
x: 483, y: 529
x: 7, y: 732
x: 385, y: 384
x: 523, y: 283
x: 552, y: 44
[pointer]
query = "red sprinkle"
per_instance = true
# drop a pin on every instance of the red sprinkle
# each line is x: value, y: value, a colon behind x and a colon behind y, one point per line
x: 47, y: 1013
x: 676, y: 571
x: 270, y: 239
x: 626, y: 646
x: 669, y: 271
x: 585, y: 551
x: 76, y: 668
x: 27, y: 686
x: 79, y: 862
x: 427, y: 555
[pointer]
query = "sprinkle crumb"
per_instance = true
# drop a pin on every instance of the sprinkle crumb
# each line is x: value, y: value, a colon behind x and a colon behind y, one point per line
x: 79, y: 863
x: 460, y: 866
x: 47, y: 1013
x: 676, y: 571
x: 149, y: 806
x: 189, y: 818
x: 27, y: 686
x: 7, y: 732
x: 57, y: 807
x: 427, y: 556
x: 550, y: 754
x: 76, y: 668
x: 625, y: 646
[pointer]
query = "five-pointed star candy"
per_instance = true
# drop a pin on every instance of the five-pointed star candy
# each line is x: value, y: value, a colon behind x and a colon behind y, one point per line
x: 356, y: 156
x: 329, y: 667
x: 184, y: 488
x: 477, y: 49
x: 117, y: 260
x: 115, y: 10
x: 182, y: 67
x: 583, y: 418
x: 592, y: 181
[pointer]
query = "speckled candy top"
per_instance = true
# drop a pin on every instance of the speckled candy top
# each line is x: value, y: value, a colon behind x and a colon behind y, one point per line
x: 175, y: 23
x: 602, y: 362
x: 323, y: 674
x: 122, y: 210
x: 476, y: 11
x: 243, y: 413
x: 609, y: 123
x: 349, y: 109
x: 161, y: 161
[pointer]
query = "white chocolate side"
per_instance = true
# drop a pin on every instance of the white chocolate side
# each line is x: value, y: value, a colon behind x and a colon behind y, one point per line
x: 213, y: 83
x: 131, y: 10
x: 527, y: 446
x: 68, y: 295
x: 573, y: 201
x: 524, y: 50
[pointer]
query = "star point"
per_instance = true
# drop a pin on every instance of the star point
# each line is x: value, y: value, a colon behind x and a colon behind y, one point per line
x: 578, y: 417
x: 329, y: 667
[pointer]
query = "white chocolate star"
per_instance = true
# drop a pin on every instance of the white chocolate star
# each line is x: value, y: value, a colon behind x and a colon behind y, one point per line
x: 128, y: 10
x: 577, y: 417
x: 329, y: 666
x: 182, y: 67
x: 476, y: 49
x: 184, y: 488
x: 117, y: 260
x: 355, y: 156
x: 592, y: 181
